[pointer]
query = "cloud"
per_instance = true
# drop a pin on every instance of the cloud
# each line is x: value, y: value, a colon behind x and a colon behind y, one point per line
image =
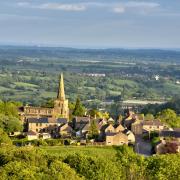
x: 64, y: 7
x: 54, y: 6
x: 119, y: 9
x: 134, y: 6
x: 115, y: 7
x: 142, y: 4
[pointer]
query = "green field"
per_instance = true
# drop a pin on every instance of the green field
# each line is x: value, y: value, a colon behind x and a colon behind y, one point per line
x: 25, y: 84
x: 92, y: 151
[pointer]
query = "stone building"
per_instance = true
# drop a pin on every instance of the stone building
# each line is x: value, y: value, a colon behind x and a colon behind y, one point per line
x: 60, y: 109
x: 45, y: 125
x: 116, y: 139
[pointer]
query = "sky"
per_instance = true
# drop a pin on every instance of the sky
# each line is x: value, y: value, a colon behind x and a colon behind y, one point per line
x: 91, y: 23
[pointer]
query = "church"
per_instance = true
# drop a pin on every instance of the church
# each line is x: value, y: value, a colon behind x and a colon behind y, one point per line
x: 60, y: 109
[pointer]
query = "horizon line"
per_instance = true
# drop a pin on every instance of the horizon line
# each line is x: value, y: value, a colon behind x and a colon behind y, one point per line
x: 87, y: 46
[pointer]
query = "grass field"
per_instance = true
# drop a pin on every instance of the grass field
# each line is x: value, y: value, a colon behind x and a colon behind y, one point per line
x: 25, y: 84
x: 63, y: 151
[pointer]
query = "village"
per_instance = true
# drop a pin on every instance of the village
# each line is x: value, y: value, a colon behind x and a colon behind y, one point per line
x: 132, y: 129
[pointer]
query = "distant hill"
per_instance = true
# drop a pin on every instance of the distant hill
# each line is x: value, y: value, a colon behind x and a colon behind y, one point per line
x: 155, y: 55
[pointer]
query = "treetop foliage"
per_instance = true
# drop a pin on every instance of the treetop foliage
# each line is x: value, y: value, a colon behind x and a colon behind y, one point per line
x: 34, y: 163
x: 79, y: 109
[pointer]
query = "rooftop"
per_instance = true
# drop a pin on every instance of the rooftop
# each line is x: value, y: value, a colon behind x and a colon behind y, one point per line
x: 47, y: 120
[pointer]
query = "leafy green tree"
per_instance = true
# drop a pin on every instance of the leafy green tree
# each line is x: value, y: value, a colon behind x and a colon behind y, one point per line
x: 170, y: 117
x: 71, y: 106
x: 133, y: 165
x: 93, y: 130
x: 8, y: 109
x: 10, y: 123
x: 94, y: 168
x: 4, y: 138
x: 93, y: 113
x: 116, y: 109
x: 48, y: 104
x: 163, y: 167
x: 79, y: 109
x: 149, y: 117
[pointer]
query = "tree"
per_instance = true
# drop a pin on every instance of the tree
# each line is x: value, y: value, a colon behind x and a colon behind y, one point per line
x: 9, y: 108
x: 4, y: 138
x: 116, y: 109
x: 93, y: 113
x: 149, y: 117
x: 93, y: 130
x: 10, y: 124
x: 79, y: 109
x: 48, y: 104
x: 170, y: 117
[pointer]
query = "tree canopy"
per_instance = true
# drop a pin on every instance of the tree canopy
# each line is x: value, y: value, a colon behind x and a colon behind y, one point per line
x: 79, y: 109
x: 170, y: 117
x: 9, y: 118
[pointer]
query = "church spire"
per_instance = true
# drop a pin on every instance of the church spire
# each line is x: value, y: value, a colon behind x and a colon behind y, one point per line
x: 61, y: 94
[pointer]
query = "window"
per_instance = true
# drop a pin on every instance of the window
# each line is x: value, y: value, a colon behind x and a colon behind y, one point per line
x: 36, y: 124
x: 36, y: 130
x: 40, y: 124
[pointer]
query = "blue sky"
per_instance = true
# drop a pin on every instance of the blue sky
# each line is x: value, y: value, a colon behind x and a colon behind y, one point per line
x: 91, y: 23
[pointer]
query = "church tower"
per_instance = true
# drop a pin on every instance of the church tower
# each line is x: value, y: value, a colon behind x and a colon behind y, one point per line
x: 61, y: 109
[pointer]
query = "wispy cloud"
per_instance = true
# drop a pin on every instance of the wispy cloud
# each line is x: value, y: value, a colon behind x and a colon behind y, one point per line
x: 134, y: 6
x: 142, y: 4
x: 65, y: 7
x: 119, y: 9
x: 115, y: 7
x: 54, y: 6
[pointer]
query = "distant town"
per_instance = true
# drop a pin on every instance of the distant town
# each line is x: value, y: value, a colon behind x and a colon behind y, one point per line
x: 97, y: 129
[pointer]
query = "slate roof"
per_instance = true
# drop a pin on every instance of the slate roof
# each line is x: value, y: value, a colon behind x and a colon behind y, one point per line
x: 175, y: 134
x: 36, y: 120
x: 82, y: 119
x: 47, y: 120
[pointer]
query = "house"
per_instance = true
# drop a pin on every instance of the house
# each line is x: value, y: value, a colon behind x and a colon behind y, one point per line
x: 173, y: 134
x: 65, y: 130
x: 116, y: 139
x: 167, y: 146
x: 31, y: 135
x: 129, y: 119
x: 137, y: 127
x: 118, y: 128
x: 46, y: 125
x: 45, y: 136
x: 130, y: 135
x: 82, y: 125
x: 79, y: 122
x: 113, y: 134
x: 153, y: 125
